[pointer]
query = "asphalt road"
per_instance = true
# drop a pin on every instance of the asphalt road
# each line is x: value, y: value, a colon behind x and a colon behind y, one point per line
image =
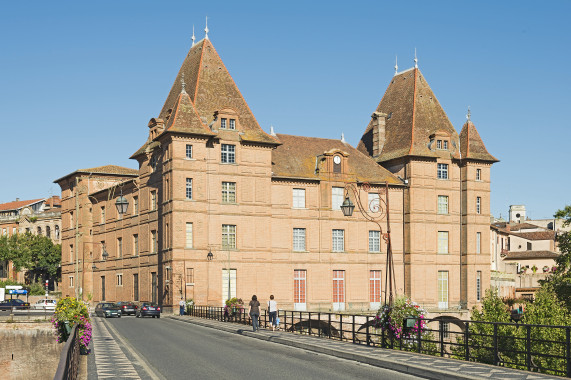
x: 179, y: 350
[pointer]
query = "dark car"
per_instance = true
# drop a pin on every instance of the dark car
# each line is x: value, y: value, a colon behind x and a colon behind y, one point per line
x: 147, y: 309
x: 127, y: 308
x: 17, y: 303
x: 107, y: 309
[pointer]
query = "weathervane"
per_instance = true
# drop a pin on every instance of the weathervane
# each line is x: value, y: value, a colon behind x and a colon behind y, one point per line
x: 193, y: 38
x: 415, y: 60
x: 468, y: 114
x: 206, y: 29
x: 396, y: 65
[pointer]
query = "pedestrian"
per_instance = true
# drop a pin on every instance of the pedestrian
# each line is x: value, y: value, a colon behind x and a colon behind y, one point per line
x: 255, y: 312
x: 182, y: 305
x: 273, y: 311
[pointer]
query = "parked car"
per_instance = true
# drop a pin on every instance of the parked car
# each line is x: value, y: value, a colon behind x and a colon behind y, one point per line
x: 147, y: 309
x: 127, y: 308
x: 45, y: 304
x: 107, y: 309
x: 16, y: 303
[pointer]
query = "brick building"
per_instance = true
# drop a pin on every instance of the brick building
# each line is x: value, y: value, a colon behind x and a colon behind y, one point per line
x: 220, y: 208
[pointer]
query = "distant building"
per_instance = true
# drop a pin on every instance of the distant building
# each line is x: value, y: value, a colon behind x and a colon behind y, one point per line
x: 37, y: 216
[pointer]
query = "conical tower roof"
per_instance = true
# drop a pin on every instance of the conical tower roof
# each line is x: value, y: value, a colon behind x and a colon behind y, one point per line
x: 413, y: 116
x: 472, y: 146
x: 185, y: 119
x: 211, y: 88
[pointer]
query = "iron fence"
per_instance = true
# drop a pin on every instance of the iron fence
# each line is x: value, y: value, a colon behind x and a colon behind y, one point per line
x: 68, y: 366
x: 539, y: 348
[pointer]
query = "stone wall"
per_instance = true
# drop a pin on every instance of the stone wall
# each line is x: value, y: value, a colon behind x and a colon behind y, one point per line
x: 28, y: 351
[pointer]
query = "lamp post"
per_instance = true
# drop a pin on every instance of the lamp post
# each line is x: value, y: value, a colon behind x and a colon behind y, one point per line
x: 376, y: 210
x: 209, y: 258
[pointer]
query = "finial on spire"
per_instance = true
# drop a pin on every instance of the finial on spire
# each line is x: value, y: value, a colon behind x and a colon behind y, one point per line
x: 183, y: 83
x: 206, y: 29
x: 396, y: 65
x: 193, y: 38
x: 415, y: 60
x: 468, y: 114
x: 272, y: 132
x: 343, y: 138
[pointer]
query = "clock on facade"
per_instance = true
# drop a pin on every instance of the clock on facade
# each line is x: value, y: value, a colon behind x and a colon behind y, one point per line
x: 337, y: 160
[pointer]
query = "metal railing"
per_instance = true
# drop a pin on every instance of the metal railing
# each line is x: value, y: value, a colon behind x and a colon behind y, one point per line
x: 68, y: 366
x: 539, y: 348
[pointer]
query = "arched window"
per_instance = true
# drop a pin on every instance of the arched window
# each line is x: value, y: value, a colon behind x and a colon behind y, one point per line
x: 39, y: 230
x: 57, y: 232
x: 48, y: 231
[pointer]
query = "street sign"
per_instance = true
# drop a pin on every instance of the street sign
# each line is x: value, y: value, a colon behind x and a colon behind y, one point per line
x: 17, y: 291
x: 13, y: 287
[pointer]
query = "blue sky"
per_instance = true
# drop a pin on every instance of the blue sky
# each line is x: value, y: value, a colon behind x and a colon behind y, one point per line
x: 81, y: 80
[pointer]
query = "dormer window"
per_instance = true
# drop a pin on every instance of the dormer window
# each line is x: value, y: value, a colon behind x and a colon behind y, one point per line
x: 228, y: 119
x: 445, y: 144
x: 223, y: 123
x: 232, y: 124
x: 438, y: 144
x: 337, y: 164
x: 442, y: 144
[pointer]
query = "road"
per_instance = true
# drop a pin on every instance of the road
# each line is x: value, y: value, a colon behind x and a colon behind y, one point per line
x: 179, y: 350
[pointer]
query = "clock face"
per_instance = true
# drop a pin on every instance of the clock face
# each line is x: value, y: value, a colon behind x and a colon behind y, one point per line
x: 337, y: 160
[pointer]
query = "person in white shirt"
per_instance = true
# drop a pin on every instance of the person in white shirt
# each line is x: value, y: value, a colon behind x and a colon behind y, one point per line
x: 273, y: 311
x: 182, y: 305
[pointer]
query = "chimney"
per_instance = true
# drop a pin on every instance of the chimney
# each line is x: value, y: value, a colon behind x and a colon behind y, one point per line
x: 17, y: 199
x: 379, y: 120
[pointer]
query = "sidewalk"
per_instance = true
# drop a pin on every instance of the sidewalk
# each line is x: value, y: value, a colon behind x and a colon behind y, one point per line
x: 426, y: 366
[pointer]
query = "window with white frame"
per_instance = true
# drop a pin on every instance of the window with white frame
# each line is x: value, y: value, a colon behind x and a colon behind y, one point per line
x: 228, y: 192
x: 71, y: 281
x: 338, y: 290
x: 120, y: 279
x: 228, y: 236
x: 478, y: 205
x: 188, y: 151
x: 190, y: 276
x: 228, y: 154
x: 299, y: 239
x: 228, y: 283
x: 189, y: 188
x: 375, y: 288
x: 443, y: 204
x: 188, y: 235
x: 223, y: 122
x: 478, y: 242
x: 442, y: 241
x: 442, y: 171
x: 298, y: 198
x: 442, y: 289
x: 299, y: 288
x: 478, y: 174
x: 336, y: 198
x: 338, y: 243
x: 374, y: 241
x: 478, y: 285
x: 232, y: 124
x: 445, y: 144
x: 373, y: 199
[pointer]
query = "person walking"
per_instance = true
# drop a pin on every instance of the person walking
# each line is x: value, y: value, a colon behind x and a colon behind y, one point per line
x: 255, y: 312
x: 182, y: 305
x: 273, y: 311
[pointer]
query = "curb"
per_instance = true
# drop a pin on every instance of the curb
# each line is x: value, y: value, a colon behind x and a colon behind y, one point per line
x: 394, y: 365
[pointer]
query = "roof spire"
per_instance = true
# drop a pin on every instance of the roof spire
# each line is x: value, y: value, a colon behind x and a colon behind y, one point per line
x: 468, y: 114
x: 193, y: 38
x: 272, y: 132
x: 396, y: 65
x: 343, y: 138
x: 206, y: 29
x: 183, y: 90
x: 415, y: 60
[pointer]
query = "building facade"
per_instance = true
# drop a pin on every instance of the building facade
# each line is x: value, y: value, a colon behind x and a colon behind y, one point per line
x: 218, y: 208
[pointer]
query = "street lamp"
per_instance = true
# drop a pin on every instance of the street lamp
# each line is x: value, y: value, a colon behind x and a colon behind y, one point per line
x: 374, y: 213
x: 122, y: 204
x: 210, y: 256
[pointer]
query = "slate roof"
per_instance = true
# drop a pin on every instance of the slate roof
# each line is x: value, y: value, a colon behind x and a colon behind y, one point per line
x: 296, y: 158
x: 413, y: 114
x: 537, y: 235
x: 531, y: 255
x: 15, y: 205
x: 472, y: 146
x: 211, y: 88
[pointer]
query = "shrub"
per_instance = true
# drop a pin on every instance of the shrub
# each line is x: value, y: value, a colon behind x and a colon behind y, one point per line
x: 70, y: 311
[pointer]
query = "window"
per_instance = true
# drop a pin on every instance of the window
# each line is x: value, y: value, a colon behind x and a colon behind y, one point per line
x: 442, y: 172
x: 188, y: 235
x: 190, y: 276
x: 299, y: 239
x: 228, y: 155
x: 135, y: 245
x: 443, y: 204
x: 153, y: 241
x: 188, y: 151
x: 338, y: 244
x: 445, y: 330
x: 445, y: 144
x: 232, y: 124
x: 438, y: 144
x: 299, y: 290
x: 48, y: 231
x: 442, y: 241
x: 119, y: 247
x: 228, y: 236
x: 189, y: 188
x: 478, y: 174
x: 478, y: 285
x: 135, y: 287
x: 374, y: 241
x: 528, y: 246
x: 298, y: 198
x: 336, y: 198
x: 71, y: 219
x: 166, y: 188
x: 57, y: 232
x: 71, y: 281
x: 375, y: 288
x: 223, y: 123
x: 374, y: 204
x: 478, y: 205
x: 478, y: 242
x: 135, y: 205
x: 153, y: 200
x: 39, y: 231
x: 120, y: 279
x: 442, y: 289
x: 71, y: 253
x: 338, y: 290
x: 228, y: 283
x: 228, y: 192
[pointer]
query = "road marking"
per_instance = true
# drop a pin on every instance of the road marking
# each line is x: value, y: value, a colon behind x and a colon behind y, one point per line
x: 110, y: 361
